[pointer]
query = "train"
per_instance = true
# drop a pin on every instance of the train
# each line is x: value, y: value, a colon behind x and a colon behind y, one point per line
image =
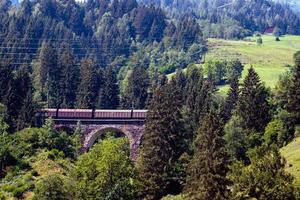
x: 93, y: 114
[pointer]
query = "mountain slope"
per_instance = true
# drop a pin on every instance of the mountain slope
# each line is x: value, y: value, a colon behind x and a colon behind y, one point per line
x: 295, y: 4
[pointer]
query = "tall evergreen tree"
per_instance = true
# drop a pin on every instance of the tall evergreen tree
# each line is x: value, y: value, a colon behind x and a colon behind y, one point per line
x: 6, y: 75
x: 136, y: 92
x: 180, y: 81
x: 253, y: 106
x: 162, y: 145
x: 26, y: 116
x: 231, y: 100
x: 54, y: 79
x: 198, y: 99
x: 89, y: 85
x: 293, y: 98
x: 70, y: 78
x: 49, y: 74
x: 16, y: 96
x: 208, y: 169
x: 109, y: 93
x: 193, y: 86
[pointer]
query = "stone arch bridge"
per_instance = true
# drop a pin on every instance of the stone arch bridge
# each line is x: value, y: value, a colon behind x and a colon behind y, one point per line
x: 95, y: 123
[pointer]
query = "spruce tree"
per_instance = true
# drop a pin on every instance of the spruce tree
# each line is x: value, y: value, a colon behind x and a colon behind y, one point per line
x: 180, y: 81
x: 162, y: 145
x: 193, y: 87
x: 52, y: 70
x: 209, y: 166
x: 198, y: 99
x: 293, y: 98
x: 253, y: 106
x: 16, y: 95
x: 50, y: 75
x: 231, y: 100
x: 26, y: 116
x: 109, y: 93
x: 136, y: 92
x: 6, y: 75
x: 89, y: 85
x: 70, y: 78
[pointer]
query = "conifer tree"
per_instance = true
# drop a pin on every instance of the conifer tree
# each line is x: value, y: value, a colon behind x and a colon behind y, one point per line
x: 231, y: 100
x: 16, y: 95
x: 162, y: 145
x: 136, y: 92
x: 50, y: 75
x: 50, y: 62
x: 109, y: 93
x: 193, y: 87
x: 6, y: 76
x: 209, y: 166
x: 26, y: 116
x: 199, y: 98
x: 264, y: 178
x: 69, y: 80
x: 253, y: 106
x: 89, y: 85
x: 180, y: 81
x: 293, y: 98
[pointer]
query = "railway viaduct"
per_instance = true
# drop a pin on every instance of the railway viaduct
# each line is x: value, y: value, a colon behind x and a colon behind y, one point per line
x: 94, y: 125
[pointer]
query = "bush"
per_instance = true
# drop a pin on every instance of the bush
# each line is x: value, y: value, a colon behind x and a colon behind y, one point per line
x: 259, y: 41
x: 275, y: 133
x: 53, y: 186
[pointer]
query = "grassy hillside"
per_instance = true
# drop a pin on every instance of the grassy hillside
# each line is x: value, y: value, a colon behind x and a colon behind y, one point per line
x: 269, y: 59
x: 291, y: 153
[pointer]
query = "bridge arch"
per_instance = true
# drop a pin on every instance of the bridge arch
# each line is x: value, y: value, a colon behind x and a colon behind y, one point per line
x: 132, y: 132
x: 91, y: 138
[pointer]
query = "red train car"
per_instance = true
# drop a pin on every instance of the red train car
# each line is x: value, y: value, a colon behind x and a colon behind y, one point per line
x: 75, y: 113
x: 90, y: 114
x: 139, y: 114
x: 112, y: 114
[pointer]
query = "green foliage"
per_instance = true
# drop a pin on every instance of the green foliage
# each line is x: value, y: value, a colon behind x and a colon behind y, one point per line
x: 264, y: 178
x: 292, y: 105
x: 6, y: 76
x: 53, y: 186
x: 18, y: 101
x: 109, y: 93
x: 231, y: 100
x: 70, y: 78
x: 209, y: 166
x: 136, y: 92
x: 276, y: 133
x: 106, y: 172
x: 217, y: 68
x: 236, y: 140
x: 259, y: 41
x: 199, y: 98
x: 253, y: 106
x: 5, y: 142
x: 88, y: 88
x: 163, y: 144
x: 50, y: 74
x: 297, y: 58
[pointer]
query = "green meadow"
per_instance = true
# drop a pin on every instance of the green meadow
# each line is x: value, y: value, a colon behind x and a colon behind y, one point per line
x: 291, y: 153
x: 269, y: 59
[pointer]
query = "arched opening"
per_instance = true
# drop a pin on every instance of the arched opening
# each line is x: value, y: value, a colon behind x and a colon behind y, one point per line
x: 99, y: 135
x: 106, y: 133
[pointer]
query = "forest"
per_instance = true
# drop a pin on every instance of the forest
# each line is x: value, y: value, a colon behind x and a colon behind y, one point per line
x: 198, y: 143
